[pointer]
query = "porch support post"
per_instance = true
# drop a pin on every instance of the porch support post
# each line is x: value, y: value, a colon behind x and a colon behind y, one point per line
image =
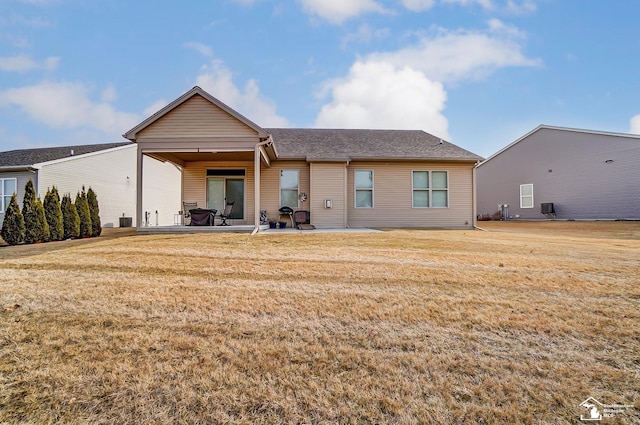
x: 257, y: 156
x: 256, y: 189
x: 139, y: 187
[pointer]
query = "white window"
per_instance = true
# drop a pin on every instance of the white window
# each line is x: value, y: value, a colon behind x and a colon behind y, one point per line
x: 526, y: 196
x: 7, y: 189
x: 430, y: 189
x: 364, y: 188
x: 289, y: 188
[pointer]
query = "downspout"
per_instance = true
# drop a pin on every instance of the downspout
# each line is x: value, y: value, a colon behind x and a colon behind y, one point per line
x: 475, y: 198
x: 256, y: 177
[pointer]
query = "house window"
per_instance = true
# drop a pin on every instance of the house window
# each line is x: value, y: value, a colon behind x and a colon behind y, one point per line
x: 364, y: 188
x: 526, y: 196
x: 289, y: 188
x: 430, y: 189
x: 7, y: 189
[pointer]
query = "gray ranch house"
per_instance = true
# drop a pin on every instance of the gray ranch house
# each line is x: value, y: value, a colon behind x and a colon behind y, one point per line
x: 562, y: 173
x: 343, y: 178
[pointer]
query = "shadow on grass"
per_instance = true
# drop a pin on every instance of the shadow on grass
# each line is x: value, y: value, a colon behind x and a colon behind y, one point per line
x: 8, y: 252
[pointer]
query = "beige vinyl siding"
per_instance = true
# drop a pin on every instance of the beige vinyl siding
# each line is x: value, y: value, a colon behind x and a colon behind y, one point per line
x: 106, y: 172
x: 393, y: 197
x: 328, y: 181
x: 197, y: 117
x: 194, y: 181
x: 270, y: 186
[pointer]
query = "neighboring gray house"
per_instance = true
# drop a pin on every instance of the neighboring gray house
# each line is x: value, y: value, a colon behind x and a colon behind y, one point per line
x: 110, y: 169
x: 585, y: 175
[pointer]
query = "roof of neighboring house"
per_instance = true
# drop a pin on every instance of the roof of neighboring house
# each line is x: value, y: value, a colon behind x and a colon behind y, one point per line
x: 29, y: 157
x: 375, y: 145
x: 550, y: 127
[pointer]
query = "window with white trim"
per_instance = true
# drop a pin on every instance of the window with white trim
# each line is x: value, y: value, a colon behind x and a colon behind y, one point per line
x: 364, y: 188
x: 430, y: 189
x: 526, y: 195
x: 7, y: 188
x: 289, y: 184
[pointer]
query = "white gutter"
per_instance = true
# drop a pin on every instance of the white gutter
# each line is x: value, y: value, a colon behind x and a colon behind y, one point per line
x: 256, y: 183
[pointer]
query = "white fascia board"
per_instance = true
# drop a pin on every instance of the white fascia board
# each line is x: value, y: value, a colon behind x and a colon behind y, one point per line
x: 86, y: 155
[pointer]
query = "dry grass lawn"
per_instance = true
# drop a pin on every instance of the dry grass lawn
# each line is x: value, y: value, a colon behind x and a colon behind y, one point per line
x: 515, y: 325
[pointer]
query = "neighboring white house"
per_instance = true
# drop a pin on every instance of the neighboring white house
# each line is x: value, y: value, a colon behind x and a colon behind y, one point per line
x: 109, y: 169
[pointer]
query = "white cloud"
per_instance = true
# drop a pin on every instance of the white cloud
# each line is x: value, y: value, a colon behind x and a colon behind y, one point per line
x: 418, y: 5
x: 635, y: 124
x: 109, y: 94
x: 155, y: 107
x: 460, y: 55
x: 201, y: 48
x: 25, y: 64
x: 380, y: 95
x: 404, y: 88
x: 523, y: 8
x: 217, y: 80
x: 338, y: 11
x: 67, y: 105
x: 496, y: 26
x: 487, y: 4
x: 365, y: 34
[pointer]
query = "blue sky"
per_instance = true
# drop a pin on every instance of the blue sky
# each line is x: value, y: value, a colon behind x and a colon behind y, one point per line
x: 479, y: 73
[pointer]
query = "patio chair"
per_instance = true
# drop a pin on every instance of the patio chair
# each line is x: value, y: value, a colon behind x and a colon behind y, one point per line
x: 226, y: 214
x: 186, y: 206
x: 302, y: 219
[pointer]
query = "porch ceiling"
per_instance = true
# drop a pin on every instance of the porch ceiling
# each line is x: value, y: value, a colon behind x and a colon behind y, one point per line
x: 182, y: 157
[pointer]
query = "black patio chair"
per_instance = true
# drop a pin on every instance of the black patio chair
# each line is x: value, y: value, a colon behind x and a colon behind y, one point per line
x: 226, y: 214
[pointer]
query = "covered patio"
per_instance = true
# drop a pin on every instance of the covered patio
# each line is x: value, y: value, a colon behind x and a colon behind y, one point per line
x: 220, y: 154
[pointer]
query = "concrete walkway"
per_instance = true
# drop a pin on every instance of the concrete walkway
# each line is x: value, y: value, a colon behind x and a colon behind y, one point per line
x: 290, y: 230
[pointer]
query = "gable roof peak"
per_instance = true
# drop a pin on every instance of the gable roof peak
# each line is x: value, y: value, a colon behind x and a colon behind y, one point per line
x: 195, y: 91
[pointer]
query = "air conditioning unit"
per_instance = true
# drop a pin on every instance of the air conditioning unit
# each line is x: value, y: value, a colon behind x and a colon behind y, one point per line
x: 547, y: 208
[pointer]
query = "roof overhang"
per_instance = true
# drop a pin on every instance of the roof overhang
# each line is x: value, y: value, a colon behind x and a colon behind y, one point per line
x: 380, y: 159
x: 17, y: 168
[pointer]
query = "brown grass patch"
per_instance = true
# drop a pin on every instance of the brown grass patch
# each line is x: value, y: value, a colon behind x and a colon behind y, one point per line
x: 515, y: 325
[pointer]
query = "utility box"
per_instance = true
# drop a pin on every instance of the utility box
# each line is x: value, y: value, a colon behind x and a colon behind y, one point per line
x: 126, y: 221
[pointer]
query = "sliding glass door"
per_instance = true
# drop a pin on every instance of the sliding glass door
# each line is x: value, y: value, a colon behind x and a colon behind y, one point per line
x: 223, y: 189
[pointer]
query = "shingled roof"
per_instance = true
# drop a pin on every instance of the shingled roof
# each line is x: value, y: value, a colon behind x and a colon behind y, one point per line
x: 29, y: 157
x: 375, y: 145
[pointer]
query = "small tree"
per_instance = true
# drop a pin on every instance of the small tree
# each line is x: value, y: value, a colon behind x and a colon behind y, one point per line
x: 42, y: 221
x: 83, y: 212
x: 13, y: 223
x: 70, y: 218
x: 94, y: 212
x: 53, y: 213
x: 33, y: 221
